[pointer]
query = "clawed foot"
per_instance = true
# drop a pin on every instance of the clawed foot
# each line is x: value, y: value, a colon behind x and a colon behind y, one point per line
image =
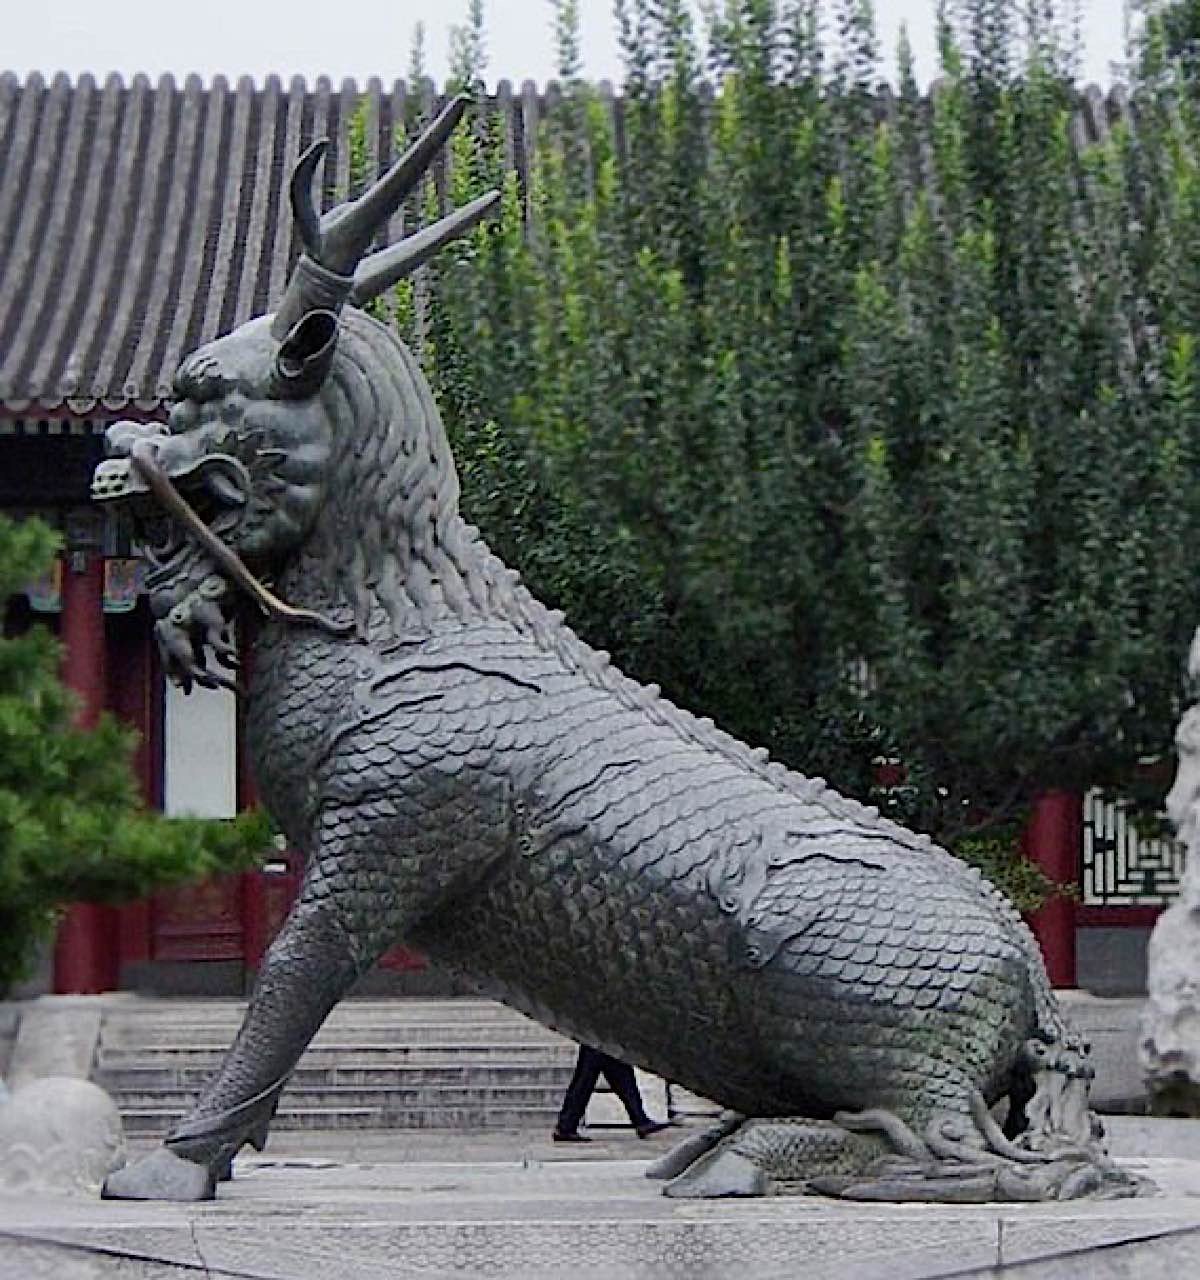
x: 721, y: 1173
x: 739, y: 1157
x: 686, y: 1153
x: 197, y: 1154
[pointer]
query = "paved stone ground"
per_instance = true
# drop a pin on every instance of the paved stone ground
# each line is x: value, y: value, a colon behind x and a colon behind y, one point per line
x: 431, y: 1205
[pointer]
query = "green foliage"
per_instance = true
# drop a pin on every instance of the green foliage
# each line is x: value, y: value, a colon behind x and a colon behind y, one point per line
x: 872, y: 435
x: 1171, y: 34
x: 418, y: 72
x: 71, y: 828
x: 997, y: 853
x: 468, y: 50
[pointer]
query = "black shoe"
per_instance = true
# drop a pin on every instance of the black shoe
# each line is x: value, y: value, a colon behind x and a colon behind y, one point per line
x: 559, y: 1136
x: 651, y: 1126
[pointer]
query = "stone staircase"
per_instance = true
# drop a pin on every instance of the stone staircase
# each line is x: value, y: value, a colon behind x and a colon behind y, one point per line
x: 375, y: 1064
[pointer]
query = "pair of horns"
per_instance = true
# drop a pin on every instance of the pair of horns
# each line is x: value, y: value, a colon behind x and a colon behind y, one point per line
x: 333, y: 269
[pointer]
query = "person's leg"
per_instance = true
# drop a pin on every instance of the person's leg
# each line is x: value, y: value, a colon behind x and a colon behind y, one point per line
x: 623, y: 1082
x: 587, y: 1072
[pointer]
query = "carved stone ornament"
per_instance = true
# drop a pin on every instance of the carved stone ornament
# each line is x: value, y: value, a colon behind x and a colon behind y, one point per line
x: 1170, y: 1034
x: 59, y: 1136
x: 465, y: 775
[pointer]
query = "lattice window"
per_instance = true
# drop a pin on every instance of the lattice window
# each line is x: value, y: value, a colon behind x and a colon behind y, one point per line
x: 1122, y: 868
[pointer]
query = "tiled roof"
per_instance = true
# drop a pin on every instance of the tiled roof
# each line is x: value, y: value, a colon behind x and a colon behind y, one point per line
x: 138, y: 221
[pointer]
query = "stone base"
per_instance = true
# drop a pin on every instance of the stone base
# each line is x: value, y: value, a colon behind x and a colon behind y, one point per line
x: 294, y: 1217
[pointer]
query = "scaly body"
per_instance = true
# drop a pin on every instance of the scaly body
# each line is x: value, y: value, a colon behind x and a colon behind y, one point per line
x: 633, y: 877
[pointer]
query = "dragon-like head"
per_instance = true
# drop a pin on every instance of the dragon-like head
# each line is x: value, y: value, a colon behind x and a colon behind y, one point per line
x: 230, y: 487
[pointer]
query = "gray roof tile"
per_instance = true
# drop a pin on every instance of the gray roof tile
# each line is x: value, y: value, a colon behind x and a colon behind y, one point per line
x: 138, y: 221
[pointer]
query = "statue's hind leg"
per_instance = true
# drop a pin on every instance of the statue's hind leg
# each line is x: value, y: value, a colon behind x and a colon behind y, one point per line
x: 312, y: 963
x: 765, y: 1157
x: 959, y: 1156
x: 870, y: 1155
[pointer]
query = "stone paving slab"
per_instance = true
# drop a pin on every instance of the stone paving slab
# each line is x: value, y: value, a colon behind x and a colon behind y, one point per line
x: 295, y: 1217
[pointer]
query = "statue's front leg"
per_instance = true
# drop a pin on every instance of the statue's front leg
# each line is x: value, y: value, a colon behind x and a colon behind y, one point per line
x: 310, y: 966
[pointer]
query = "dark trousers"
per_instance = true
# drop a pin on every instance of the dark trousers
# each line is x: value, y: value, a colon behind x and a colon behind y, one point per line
x: 589, y: 1067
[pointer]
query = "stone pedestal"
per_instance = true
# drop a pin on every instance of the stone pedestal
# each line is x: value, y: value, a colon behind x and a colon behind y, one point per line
x: 536, y: 1216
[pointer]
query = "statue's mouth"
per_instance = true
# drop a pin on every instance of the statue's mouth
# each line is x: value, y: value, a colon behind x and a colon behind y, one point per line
x: 215, y: 487
x: 202, y: 504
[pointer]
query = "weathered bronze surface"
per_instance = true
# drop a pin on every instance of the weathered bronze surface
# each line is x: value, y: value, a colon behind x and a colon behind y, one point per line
x: 466, y: 775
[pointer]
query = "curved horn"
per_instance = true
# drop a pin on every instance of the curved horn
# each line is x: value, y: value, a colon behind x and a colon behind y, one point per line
x: 381, y: 270
x: 303, y: 209
x: 349, y: 230
x: 335, y: 244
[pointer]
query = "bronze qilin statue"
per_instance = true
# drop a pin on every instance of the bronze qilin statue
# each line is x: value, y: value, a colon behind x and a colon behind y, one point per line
x: 465, y: 775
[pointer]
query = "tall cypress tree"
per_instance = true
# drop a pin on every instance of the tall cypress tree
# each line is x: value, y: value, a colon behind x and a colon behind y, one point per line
x: 852, y: 419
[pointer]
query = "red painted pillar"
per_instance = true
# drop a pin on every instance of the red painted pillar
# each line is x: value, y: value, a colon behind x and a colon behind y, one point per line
x: 135, y: 698
x: 85, y: 951
x: 1052, y: 840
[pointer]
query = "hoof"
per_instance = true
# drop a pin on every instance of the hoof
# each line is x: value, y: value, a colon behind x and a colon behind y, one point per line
x: 162, y: 1175
x: 722, y: 1174
x: 681, y: 1157
x: 694, y: 1147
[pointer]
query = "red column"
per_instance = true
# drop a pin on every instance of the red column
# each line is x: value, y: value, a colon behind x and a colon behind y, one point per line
x: 85, y: 951
x: 1052, y: 840
x: 135, y: 698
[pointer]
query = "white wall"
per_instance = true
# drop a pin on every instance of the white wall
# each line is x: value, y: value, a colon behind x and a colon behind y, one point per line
x: 200, y: 753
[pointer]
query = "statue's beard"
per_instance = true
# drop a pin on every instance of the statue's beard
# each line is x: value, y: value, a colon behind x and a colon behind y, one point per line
x: 195, y: 607
x: 175, y: 567
x: 192, y: 601
x: 199, y: 578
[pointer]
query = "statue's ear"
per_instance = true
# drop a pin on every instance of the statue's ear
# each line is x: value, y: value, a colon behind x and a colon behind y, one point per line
x: 304, y: 356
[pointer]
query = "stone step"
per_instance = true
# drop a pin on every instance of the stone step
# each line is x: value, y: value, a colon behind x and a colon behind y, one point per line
x: 219, y: 1038
x: 352, y: 1097
x: 156, y: 1121
x: 331, y: 1052
x: 229, y: 1012
x: 145, y: 1079
x: 386, y: 1064
x: 149, y: 1032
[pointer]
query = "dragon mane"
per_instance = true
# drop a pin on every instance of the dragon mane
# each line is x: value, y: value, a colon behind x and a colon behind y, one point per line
x: 390, y: 537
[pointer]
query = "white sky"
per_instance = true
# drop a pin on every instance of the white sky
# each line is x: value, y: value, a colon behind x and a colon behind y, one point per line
x: 363, y: 38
